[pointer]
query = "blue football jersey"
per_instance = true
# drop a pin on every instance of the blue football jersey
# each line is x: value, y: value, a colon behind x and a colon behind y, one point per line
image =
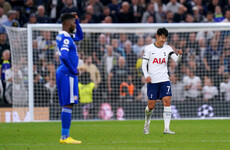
x: 67, y: 50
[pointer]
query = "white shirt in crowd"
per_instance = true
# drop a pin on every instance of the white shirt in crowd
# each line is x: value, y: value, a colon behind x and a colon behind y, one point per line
x: 109, y: 63
x: 209, y: 92
x: 195, y: 83
x: 225, y: 88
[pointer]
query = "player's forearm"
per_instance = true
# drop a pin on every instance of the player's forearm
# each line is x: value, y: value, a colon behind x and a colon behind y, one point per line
x: 176, y: 58
x: 67, y: 62
x: 144, y: 67
x: 79, y: 34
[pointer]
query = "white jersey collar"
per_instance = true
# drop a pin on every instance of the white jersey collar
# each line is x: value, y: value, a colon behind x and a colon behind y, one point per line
x: 65, y: 33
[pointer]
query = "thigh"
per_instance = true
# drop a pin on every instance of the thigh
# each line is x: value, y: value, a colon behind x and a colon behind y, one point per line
x: 152, y: 91
x: 165, y: 89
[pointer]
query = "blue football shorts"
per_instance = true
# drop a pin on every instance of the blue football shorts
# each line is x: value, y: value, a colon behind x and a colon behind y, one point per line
x: 67, y: 88
x: 158, y: 90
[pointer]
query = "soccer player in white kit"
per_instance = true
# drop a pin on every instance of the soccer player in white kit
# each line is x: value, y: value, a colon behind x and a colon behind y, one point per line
x: 158, y: 85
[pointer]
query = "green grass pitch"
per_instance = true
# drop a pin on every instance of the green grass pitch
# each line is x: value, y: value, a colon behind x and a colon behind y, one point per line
x: 118, y: 135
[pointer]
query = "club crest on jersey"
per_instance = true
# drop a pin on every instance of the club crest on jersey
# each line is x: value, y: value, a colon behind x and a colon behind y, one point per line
x: 159, y: 61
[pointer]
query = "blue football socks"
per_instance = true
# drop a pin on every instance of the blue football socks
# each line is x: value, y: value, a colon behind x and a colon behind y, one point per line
x: 66, y: 121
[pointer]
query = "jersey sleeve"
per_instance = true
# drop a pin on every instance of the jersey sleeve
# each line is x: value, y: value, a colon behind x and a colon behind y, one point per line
x: 64, y: 50
x: 79, y: 34
x: 146, y: 54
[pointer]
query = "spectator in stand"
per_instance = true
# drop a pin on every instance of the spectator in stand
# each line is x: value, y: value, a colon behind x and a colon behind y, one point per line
x: 11, y: 21
x: 218, y: 16
x: 225, y: 57
x: 139, y: 46
x: 29, y: 8
x: 117, y: 75
x: 95, y: 75
x: 189, y: 18
x: 227, y: 6
x: 69, y: 8
x: 41, y: 16
x: 198, y: 17
x: 20, y: 16
x: 148, y: 12
x: 47, y: 45
x: 202, y: 7
x: 174, y: 40
x: 212, y: 60
x: 160, y: 11
x: 123, y: 38
x: 180, y: 15
x: 97, y: 7
x: 114, y: 7
x: 127, y: 90
x: 142, y: 93
x: 3, y: 44
x: 6, y: 6
x: 177, y: 88
x: 136, y: 10
x: 211, y: 6
x: 53, y: 8
x: 169, y: 17
x: 106, y: 13
x: 209, y: 91
x: 116, y: 48
x: 225, y: 88
x: 108, y: 61
x: 130, y: 57
x: 192, y: 86
x: 209, y: 17
x: 173, y: 6
x: 227, y: 16
x: 32, y: 19
x: 4, y: 66
x: 3, y: 17
x: 125, y: 16
x: 99, y: 50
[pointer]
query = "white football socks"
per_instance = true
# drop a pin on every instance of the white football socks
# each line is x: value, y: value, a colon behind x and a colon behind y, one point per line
x: 167, y: 116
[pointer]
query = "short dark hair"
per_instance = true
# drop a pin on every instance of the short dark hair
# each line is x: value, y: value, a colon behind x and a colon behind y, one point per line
x: 162, y: 31
x: 67, y: 16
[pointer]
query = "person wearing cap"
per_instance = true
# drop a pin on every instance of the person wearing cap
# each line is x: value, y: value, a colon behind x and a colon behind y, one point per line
x: 11, y: 21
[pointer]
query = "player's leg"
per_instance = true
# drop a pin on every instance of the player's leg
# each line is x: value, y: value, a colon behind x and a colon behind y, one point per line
x: 152, y: 96
x: 148, y: 113
x: 167, y: 114
x: 165, y: 93
x: 65, y: 85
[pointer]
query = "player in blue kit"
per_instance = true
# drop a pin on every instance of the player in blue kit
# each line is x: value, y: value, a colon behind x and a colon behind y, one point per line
x: 66, y: 74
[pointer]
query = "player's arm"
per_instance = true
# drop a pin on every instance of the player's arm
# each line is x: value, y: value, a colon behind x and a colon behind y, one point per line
x: 175, y: 57
x: 79, y: 34
x: 64, y: 49
x: 145, y: 61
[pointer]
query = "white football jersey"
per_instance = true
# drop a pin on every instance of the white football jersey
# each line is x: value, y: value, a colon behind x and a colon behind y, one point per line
x: 209, y: 92
x: 157, y: 62
x: 195, y: 82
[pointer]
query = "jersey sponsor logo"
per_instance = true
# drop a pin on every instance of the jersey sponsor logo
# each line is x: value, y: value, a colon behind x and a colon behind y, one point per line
x: 159, y: 61
x: 66, y: 41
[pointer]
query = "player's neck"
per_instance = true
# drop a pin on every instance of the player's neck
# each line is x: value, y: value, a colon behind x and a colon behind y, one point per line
x: 66, y: 30
x: 157, y: 45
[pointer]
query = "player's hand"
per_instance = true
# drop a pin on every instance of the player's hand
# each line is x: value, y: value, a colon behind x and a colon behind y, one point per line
x: 179, y: 51
x: 148, y: 79
x: 75, y: 14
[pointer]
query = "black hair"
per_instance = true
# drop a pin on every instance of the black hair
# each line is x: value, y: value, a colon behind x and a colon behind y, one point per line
x: 162, y: 31
x: 67, y: 16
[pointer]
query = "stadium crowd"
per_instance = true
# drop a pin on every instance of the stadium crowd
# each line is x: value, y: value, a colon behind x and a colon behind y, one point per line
x: 110, y: 64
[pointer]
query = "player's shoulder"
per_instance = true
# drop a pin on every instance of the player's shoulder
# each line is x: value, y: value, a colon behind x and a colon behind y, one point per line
x: 167, y: 47
x: 148, y: 47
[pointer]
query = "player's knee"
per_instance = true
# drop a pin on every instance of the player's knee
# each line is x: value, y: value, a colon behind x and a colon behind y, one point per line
x: 151, y: 106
